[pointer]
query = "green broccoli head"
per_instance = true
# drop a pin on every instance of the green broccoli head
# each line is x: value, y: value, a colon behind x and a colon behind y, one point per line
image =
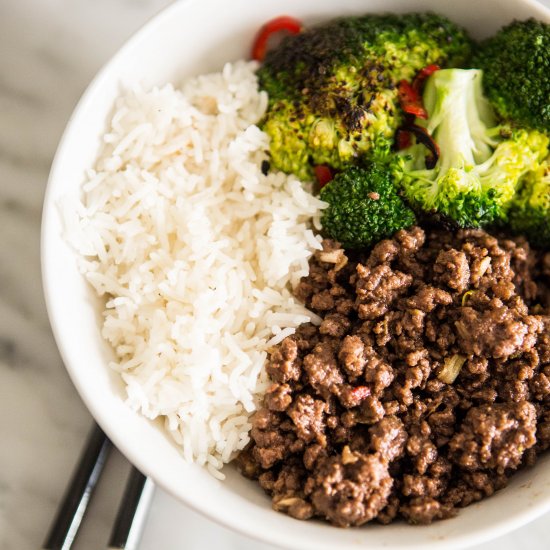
x: 480, y: 164
x: 300, y: 139
x: 333, y: 88
x: 530, y: 212
x: 516, y: 65
x: 363, y: 206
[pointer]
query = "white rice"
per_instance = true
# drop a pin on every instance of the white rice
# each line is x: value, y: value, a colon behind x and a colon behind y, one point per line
x: 196, y: 253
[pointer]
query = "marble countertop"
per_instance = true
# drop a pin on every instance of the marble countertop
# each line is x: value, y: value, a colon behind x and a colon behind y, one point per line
x: 49, y: 51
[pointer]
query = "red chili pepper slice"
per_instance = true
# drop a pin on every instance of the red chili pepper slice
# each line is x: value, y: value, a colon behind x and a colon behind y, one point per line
x: 402, y: 138
x: 323, y: 173
x: 284, y: 23
x: 410, y: 100
x: 422, y: 75
x: 422, y: 136
x: 416, y: 110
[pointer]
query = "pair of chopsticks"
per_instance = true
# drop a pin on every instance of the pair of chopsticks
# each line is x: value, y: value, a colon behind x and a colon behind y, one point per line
x: 132, y: 510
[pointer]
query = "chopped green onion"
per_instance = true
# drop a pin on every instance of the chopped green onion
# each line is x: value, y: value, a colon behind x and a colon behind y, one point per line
x: 337, y: 257
x: 465, y: 297
x: 482, y: 267
x: 451, y: 368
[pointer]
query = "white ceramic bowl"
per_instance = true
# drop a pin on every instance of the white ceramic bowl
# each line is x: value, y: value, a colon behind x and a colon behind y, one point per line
x: 192, y: 37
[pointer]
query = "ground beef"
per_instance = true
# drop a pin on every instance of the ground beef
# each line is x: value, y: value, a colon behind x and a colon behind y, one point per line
x: 425, y: 386
x: 501, y: 331
x: 350, y: 488
x: 494, y: 436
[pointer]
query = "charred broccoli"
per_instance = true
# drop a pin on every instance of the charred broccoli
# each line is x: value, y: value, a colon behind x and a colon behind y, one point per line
x: 516, y: 65
x: 530, y: 212
x: 333, y: 88
x: 480, y: 163
x: 364, y: 207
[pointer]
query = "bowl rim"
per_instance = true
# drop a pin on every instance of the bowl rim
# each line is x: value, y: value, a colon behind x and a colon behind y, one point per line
x: 458, y: 541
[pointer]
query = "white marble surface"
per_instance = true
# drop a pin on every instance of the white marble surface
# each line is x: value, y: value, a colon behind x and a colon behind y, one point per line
x: 49, y: 51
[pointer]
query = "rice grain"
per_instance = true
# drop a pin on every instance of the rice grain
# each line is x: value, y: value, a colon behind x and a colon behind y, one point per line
x: 195, y: 253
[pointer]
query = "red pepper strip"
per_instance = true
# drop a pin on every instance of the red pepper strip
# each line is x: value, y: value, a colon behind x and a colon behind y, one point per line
x: 402, y: 138
x: 410, y: 100
x: 323, y: 173
x: 282, y: 23
x: 422, y: 75
x: 422, y: 136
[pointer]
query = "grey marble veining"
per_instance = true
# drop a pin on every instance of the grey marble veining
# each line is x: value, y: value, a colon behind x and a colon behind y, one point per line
x: 49, y: 51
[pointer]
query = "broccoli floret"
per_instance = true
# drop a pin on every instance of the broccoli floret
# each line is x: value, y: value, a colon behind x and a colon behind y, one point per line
x: 480, y: 164
x: 516, y: 65
x: 300, y: 139
x: 364, y: 206
x: 530, y: 212
x: 333, y: 88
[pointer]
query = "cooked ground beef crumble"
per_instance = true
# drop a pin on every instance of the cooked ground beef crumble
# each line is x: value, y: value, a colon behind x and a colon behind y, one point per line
x: 425, y: 387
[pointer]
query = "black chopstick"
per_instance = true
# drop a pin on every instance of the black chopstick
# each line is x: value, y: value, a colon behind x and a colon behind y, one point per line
x: 131, y: 512
x: 79, y: 491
